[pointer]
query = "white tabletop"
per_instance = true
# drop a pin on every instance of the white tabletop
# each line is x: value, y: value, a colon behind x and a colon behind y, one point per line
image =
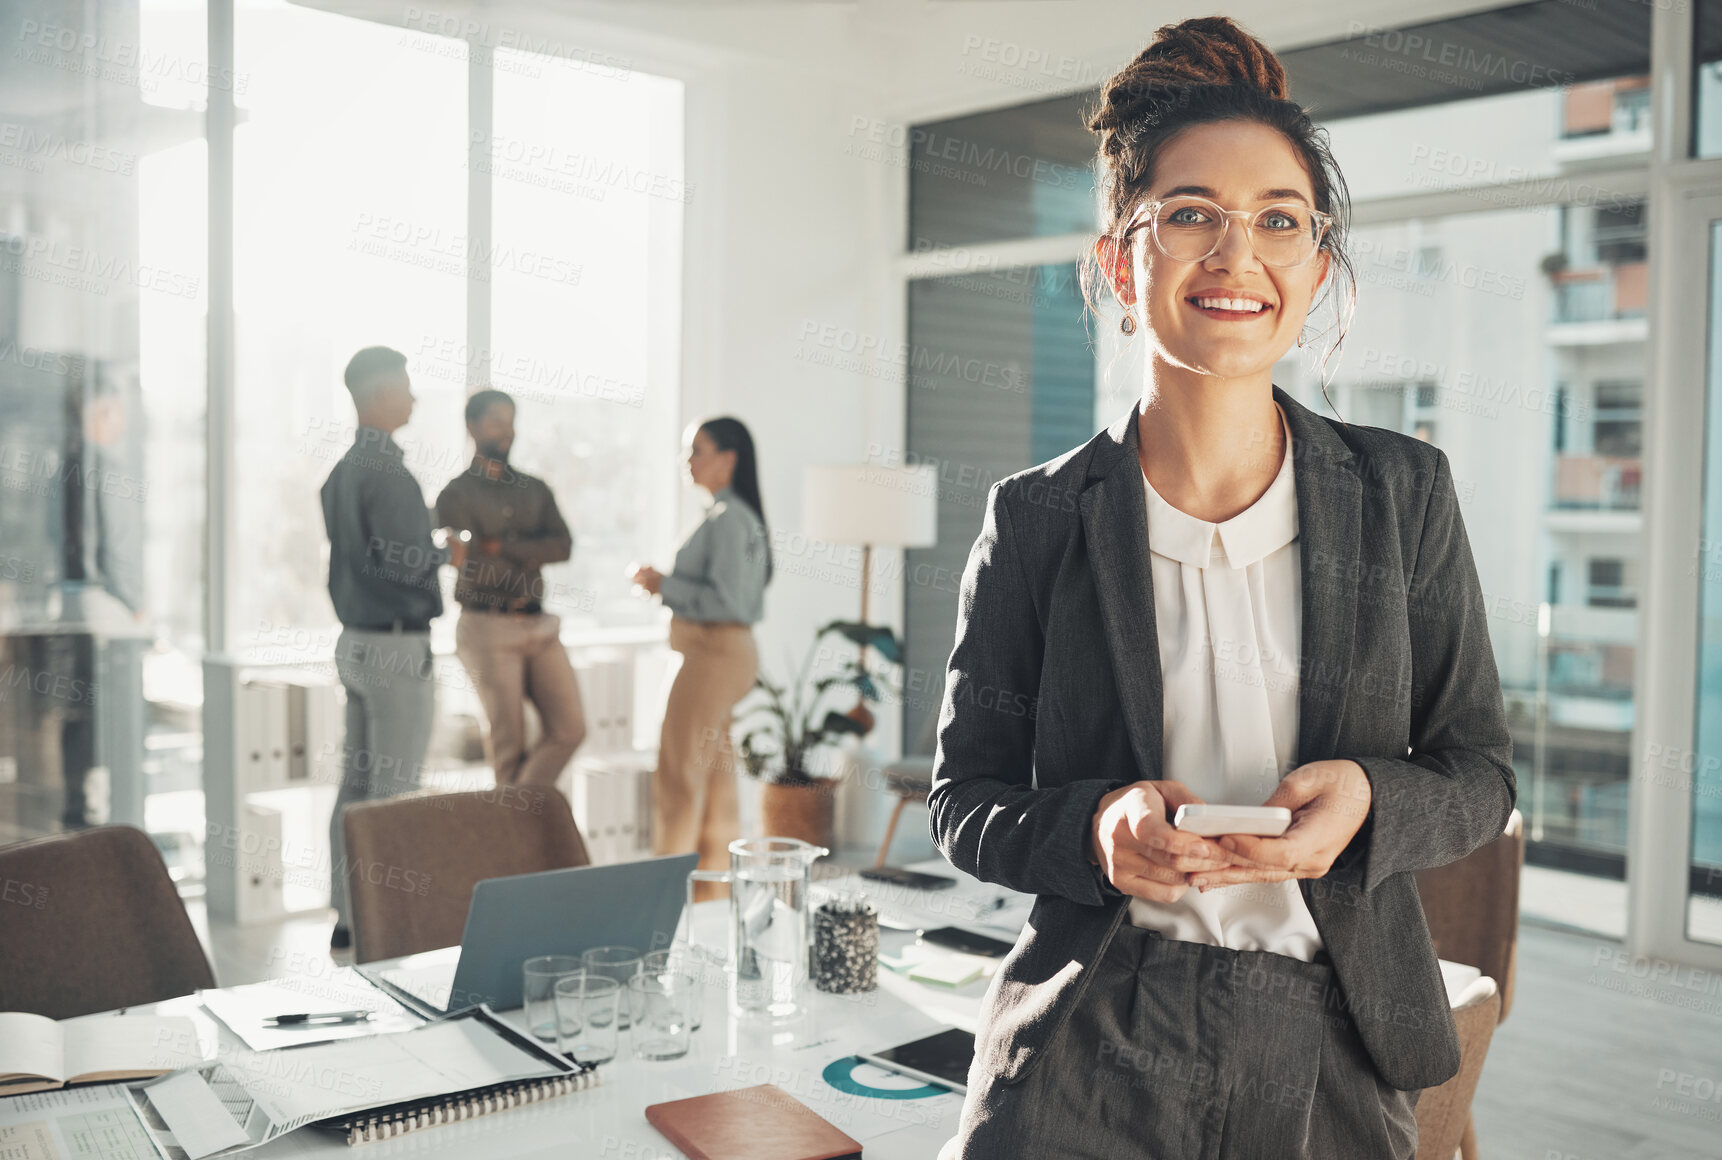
x: 729, y: 1052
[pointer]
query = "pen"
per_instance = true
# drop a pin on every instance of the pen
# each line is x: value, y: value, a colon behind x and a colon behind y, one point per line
x: 320, y: 1017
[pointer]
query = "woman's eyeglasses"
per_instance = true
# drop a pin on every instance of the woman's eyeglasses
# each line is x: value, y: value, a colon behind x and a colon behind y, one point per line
x: 1190, y: 229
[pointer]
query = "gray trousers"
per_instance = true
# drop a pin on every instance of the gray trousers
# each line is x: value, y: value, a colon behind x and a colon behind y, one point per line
x: 391, y: 702
x: 1184, y: 1051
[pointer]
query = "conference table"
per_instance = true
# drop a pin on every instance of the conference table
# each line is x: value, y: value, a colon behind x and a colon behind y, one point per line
x: 810, y: 1056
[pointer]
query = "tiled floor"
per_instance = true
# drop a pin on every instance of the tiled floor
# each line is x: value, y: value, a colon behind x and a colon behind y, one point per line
x: 1592, y: 1062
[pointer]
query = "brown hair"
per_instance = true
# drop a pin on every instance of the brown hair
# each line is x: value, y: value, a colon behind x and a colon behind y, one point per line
x: 1197, y: 72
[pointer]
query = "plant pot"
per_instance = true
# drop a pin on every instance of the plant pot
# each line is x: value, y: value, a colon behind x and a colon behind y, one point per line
x: 800, y: 811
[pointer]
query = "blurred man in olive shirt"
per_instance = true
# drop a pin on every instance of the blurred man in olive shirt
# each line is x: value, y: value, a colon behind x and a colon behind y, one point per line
x: 510, y: 646
x: 383, y: 583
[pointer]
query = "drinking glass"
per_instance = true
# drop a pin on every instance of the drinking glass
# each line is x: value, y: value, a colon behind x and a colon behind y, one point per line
x: 538, y: 991
x: 620, y: 964
x: 662, y: 1006
x: 688, y: 959
x: 586, y: 1012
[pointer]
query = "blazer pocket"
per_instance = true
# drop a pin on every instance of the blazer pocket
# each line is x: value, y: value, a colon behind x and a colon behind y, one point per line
x: 1040, y: 983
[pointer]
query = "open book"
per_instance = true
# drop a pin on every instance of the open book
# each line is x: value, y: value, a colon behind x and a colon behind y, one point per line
x: 38, y: 1053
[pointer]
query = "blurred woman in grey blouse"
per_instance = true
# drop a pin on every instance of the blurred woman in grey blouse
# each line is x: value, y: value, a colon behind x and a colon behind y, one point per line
x: 717, y: 592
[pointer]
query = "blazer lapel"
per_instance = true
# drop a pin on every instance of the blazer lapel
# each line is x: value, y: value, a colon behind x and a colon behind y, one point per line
x: 1115, y: 525
x: 1330, y: 522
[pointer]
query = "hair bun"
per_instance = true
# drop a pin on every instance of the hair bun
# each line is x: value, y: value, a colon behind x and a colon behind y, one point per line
x: 1206, y: 50
x: 1214, y: 50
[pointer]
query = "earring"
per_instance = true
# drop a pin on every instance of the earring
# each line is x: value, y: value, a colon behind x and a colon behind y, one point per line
x: 1300, y: 338
x: 1128, y: 326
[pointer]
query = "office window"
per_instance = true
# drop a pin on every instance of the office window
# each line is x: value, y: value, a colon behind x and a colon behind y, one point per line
x: 349, y: 231
x: 1002, y: 377
x: 1010, y: 173
x: 1375, y: 404
x: 587, y: 202
x: 1570, y: 280
x: 1707, y: 79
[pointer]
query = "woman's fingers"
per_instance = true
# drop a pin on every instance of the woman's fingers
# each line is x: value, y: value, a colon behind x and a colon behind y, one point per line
x: 1161, y: 842
x: 1235, y: 875
x: 1142, y: 878
x: 1185, y: 863
x: 1248, y: 850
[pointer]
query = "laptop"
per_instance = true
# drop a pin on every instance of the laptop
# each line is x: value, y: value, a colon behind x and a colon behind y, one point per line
x: 552, y: 912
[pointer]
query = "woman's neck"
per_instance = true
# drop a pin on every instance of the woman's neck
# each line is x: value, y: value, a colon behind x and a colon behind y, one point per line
x: 1210, y: 446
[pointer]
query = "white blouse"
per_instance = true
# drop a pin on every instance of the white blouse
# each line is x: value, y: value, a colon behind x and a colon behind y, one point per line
x: 1228, y: 606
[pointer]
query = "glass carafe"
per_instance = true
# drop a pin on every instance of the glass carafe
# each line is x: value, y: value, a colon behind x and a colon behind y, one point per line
x: 770, y: 922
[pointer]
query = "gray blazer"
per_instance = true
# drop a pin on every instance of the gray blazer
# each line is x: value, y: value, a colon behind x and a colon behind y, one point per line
x: 1053, y: 699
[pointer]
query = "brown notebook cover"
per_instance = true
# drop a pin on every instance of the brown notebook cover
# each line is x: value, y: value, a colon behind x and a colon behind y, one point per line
x: 756, y: 1123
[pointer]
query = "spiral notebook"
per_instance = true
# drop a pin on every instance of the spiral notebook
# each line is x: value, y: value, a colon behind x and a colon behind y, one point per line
x: 397, y: 1119
x: 446, y: 1107
x: 457, y: 1068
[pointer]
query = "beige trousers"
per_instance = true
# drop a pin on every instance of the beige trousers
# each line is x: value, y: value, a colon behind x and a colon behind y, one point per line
x: 693, y: 788
x: 512, y: 658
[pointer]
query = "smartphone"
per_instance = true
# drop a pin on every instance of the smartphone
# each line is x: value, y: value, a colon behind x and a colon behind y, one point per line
x: 913, y: 879
x: 1211, y: 820
x: 942, y: 1059
x: 967, y: 942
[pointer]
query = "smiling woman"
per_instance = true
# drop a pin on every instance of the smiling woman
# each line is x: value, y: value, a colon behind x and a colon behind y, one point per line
x: 1293, y: 620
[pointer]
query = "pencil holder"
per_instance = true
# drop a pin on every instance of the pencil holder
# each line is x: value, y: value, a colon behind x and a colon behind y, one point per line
x: 846, y: 946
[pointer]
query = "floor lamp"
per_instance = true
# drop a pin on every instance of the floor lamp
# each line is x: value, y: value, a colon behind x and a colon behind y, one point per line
x: 867, y: 505
x: 871, y: 506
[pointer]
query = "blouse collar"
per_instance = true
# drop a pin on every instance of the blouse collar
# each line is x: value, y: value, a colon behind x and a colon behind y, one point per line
x: 1253, y: 534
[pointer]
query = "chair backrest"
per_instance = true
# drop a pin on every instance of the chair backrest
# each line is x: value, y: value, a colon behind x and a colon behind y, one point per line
x: 1443, y: 1111
x: 412, y: 861
x: 91, y: 921
x: 1473, y: 907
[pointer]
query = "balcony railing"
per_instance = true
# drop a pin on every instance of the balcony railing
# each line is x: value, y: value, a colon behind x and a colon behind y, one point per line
x: 1601, y: 293
x: 1597, y: 483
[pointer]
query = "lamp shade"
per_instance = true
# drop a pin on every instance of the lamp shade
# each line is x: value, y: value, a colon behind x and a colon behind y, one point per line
x: 860, y: 503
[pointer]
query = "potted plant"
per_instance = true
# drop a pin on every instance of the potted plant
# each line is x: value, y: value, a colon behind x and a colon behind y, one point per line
x: 785, y: 726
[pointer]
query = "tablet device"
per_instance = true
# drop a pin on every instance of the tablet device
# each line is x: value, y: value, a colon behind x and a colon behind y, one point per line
x: 941, y: 1059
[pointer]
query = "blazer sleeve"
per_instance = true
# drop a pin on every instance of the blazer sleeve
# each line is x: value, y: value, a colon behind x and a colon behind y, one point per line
x: 1455, y: 789
x: 987, y: 817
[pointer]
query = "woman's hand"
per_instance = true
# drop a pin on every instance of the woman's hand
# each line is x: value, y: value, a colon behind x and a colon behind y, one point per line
x: 649, y: 578
x: 1329, y: 801
x: 1133, y: 842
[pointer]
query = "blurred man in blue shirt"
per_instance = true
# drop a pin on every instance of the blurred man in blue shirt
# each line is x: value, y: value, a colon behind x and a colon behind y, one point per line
x: 383, y: 582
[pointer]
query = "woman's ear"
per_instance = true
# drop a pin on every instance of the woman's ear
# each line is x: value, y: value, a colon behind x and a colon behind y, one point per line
x: 1113, y: 254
